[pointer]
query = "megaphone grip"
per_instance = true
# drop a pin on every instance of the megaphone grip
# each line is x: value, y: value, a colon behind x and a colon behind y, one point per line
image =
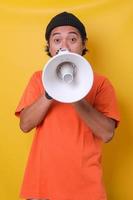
x: 47, y: 96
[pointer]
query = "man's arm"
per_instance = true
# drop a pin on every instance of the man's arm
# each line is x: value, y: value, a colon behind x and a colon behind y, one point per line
x: 33, y: 115
x: 102, y: 126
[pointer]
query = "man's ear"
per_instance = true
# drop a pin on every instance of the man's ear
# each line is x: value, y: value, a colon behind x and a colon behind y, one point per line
x: 84, y: 43
x: 84, y: 47
x: 47, y: 50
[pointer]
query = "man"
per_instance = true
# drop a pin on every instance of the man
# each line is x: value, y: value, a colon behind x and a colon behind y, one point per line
x: 65, y: 158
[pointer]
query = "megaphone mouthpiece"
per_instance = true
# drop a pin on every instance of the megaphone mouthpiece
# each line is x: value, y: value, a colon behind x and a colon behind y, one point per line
x: 62, y: 50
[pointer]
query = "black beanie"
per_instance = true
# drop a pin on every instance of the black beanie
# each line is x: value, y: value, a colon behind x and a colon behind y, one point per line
x: 64, y: 19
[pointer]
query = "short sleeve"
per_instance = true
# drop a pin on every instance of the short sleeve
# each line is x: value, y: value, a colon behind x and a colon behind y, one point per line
x: 106, y: 101
x: 33, y: 90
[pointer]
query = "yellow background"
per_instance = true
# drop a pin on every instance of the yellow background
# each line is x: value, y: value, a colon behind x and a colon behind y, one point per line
x: 110, y: 42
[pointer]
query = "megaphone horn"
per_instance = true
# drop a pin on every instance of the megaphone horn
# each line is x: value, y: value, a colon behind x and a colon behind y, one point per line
x: 67, y: 77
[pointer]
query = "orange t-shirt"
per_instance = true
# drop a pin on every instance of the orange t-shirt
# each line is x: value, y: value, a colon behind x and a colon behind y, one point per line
x: 65, y: 158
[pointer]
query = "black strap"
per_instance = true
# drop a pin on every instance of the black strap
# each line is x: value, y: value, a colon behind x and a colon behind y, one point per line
x: 47, y: 96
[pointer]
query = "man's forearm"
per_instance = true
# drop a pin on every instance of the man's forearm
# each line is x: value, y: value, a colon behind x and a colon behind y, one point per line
x: 33, y: 115
x: 102, y: 126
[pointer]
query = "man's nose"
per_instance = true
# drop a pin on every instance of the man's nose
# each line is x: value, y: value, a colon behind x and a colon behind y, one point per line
x: 65, y: 45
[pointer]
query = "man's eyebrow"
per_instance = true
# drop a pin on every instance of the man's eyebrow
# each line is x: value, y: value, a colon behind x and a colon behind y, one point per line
x: 55, y: 34
x: 73, y: 32
x: 58, y: 33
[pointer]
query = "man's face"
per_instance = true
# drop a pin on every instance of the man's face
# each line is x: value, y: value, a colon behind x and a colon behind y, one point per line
x: 65, y: 37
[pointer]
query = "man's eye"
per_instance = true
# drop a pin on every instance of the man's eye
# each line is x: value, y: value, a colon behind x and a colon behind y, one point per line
x: 56, y: 40
x: 73, y: 39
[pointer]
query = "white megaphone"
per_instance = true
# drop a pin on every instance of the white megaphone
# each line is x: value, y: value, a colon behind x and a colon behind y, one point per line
x: 67, y: 77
